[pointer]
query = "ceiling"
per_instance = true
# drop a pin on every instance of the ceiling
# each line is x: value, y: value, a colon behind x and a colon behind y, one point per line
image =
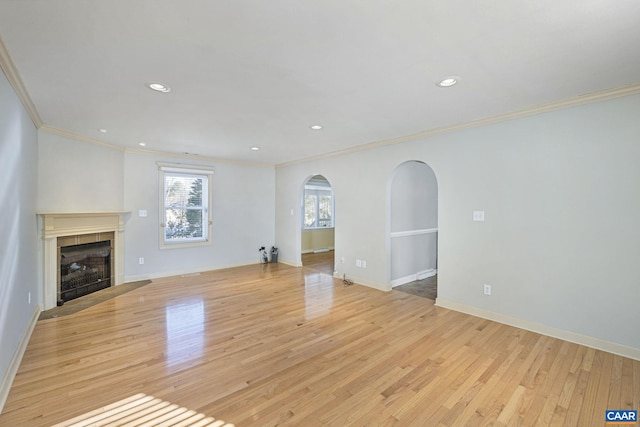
x: 259, y: 73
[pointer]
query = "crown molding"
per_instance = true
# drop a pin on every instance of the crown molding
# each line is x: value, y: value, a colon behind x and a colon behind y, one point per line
x: 78, y: 137
x: 572, y: 102
x: 197, y: 157
x: 156, y: 153
x: 11, y: 72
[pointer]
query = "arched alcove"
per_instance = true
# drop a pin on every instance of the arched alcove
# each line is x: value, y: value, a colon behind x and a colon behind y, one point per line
x: 413, y: 223
x: 317, y: 236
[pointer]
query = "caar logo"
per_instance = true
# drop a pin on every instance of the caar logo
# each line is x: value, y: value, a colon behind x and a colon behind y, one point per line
x: 621, y: 417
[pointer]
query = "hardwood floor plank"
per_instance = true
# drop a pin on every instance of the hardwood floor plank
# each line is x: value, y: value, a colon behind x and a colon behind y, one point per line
x: 271, y: 345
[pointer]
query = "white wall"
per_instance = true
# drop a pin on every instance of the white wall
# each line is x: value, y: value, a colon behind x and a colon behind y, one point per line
x: 19, y: 262
x: 81, y: 177
x: 317, y: 238
x: 243, y: 219
x: 77, y: 176
x: 561, y: 241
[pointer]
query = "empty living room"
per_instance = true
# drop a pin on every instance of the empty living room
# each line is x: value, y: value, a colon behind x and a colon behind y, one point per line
x: 212, y: 209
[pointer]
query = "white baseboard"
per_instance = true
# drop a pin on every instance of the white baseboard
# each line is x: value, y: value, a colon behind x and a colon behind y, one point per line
x: 426, y: 273
x: 317, y: 250
x: 290, y: 263
x: 597, y: 343
x: 160, y: 275
x: 413, y: 277
x: 404, y: 280
x: 7, y: 381
x: 364, y: 282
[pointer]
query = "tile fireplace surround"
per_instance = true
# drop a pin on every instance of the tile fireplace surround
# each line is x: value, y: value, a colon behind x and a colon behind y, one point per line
x: 56, y: 225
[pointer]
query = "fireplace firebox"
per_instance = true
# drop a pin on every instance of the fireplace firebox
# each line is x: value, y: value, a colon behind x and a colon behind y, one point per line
x: 85, y: 265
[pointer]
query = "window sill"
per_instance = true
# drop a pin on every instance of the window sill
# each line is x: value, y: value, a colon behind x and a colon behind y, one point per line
x: 178, y: 245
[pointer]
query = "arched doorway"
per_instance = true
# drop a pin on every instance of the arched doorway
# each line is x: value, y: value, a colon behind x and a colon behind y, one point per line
x: 413, y: 229
x: 318, y: 222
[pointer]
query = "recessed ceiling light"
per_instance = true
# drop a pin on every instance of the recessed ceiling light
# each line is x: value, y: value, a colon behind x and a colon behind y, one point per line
x: 448, y: 81
x: 159, y: 87
x: 255, y: 148
x: 102, y: 130
x: 142, y: 144
x: 316, y: 127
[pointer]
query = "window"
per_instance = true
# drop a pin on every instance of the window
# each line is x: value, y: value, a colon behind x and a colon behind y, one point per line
x: 318, y: 207
x: 185, y: 205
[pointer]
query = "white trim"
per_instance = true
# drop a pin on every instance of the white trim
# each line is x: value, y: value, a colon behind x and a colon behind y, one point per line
x: 413, y: 232
x: 317, y: 187
x: 567, y: 103
x: 599, y: 344
x: 77, y: 137
x: 364, y: 282
x: 318, y: 250
x: 155, y: 153
x: 404, y: 280
x: 290, y: 263
x: 185, y: 168
x: 172, y: 273
x: 420, y: 275
x: 317, y: 192
x: 11, y: 72
x: 10, y: 375
x: 198, y: 157
x: 203, y: 171
x: 55, y: 225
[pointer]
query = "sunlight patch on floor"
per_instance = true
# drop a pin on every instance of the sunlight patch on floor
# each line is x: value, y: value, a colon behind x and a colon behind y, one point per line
x: 141, y: 410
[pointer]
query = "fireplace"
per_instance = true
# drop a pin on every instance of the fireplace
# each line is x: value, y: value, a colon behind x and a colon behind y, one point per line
x: 82, y: 253
x: 85, y: 265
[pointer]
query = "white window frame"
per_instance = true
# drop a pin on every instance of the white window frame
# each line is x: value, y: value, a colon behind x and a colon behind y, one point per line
x: 317, y: 191
x: 204, y: 172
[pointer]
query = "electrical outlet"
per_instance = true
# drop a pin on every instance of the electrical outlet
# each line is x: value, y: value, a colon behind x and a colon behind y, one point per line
x: 141, y: 260
x: 487, y: 289
x: 364, y: 264
x: 142, y: 213
x: 478, y: 216
x: 358, y: 263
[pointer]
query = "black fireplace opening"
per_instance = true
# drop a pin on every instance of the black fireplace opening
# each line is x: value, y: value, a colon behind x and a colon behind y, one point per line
x: 84, y: 269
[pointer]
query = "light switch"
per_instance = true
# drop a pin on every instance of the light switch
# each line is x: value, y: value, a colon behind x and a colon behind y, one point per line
x: 142, y: 212
x: 478, y: 215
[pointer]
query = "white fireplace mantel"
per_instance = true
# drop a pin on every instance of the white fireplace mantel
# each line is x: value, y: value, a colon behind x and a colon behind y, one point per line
x: 56, y: 225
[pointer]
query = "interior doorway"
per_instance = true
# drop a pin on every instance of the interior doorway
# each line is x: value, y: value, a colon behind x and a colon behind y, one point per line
x: 413, y: 230
x: 318, y: 224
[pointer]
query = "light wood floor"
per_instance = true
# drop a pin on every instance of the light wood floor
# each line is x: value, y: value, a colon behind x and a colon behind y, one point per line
x: 268, y: 345
x: 321, y: 261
